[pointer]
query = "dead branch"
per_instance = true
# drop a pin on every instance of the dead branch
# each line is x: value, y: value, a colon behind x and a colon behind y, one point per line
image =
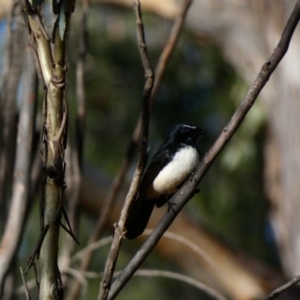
x: 142, y: 159
x: 51, y: 62
x: 119, y: 178
x: 283, y: 288
x: 21, y: 179
x: 14, y: 55
x: 187, y: 190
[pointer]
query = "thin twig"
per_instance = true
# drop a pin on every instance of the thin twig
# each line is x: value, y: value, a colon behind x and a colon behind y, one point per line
x: 90, y: 248
x: 159, y: 73
x: 88, y: 275
x: 69, y: 228
x: 187, y: 191
x: 25, y: 285
x: 20, y: 290
x: 105, y: 211
x: 77, y: 274
x: 169, y: 47
x: 73, y: 180
x: 283, y: 288
x: 82, y: 276
x: 119, y: 177
x: 142, y: 159
x: 154, y: 273
x: 70, y: 232
x: 36, y: 249
x: 36, y: 277
x: 75, y: 152
x: 183, y: 278
x: 193, y: 246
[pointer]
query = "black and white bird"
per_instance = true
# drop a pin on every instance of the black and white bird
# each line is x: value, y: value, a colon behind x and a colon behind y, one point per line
x: 172, y: 164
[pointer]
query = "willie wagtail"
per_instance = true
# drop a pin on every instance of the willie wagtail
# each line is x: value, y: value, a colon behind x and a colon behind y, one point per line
x: 171, y: 165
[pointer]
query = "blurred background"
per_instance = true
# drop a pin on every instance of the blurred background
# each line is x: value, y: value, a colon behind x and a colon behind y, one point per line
x: 244, y: 223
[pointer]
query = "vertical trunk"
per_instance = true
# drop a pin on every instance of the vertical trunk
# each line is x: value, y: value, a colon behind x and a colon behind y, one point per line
x: 51, y: 62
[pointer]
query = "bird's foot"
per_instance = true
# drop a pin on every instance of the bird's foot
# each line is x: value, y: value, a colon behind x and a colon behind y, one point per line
x: 192, y: 177
x: 171, y: 206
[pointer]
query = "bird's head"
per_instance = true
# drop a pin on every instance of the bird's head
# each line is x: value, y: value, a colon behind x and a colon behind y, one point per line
x: 187, y: 134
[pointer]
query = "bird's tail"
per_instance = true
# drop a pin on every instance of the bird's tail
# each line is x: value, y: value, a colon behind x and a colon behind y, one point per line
x: 138, y: 217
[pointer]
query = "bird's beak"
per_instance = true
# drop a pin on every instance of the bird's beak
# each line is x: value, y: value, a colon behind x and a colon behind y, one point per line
x: 202, y: 132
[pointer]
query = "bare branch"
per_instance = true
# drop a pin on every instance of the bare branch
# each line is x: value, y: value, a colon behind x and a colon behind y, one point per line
x: 91, y: 247
x: 51, y: 61
x: 74, y: 152
x: 193, y: 246
x: 25, y: 285
x: 21, y: 183
x: 119, y: 178
x: 283, y: 288
x: 36, y: 249
x: 159, y: 71
x: 170, y: 46
x: 14, y: 55
x: 187, y: 191
x: 183, y: 278
x: 142, y: 159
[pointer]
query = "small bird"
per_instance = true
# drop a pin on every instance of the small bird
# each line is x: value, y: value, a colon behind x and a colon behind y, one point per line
x: 171, y: 165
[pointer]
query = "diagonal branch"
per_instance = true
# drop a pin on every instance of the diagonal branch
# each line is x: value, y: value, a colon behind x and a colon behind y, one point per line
x: 119, y: 177
x: 170, y: 46
x: 142, y: 159
x: 283, y: 288
x: 187, y: 191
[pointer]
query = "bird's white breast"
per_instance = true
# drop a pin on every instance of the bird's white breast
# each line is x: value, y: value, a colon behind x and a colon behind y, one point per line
x: 174, y: 173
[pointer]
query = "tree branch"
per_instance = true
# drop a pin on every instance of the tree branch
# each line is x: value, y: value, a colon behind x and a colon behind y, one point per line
x: 14, y: 55
x: 283, y: 288
x: 21, y: 183
x: 142, y: 159
x: 170, y: 46
x: 26, y: 290
x: 52, y: 62
x: 119, y: 177
x: 187, y: 191
x: 183, y: 278
x: 74, y: 153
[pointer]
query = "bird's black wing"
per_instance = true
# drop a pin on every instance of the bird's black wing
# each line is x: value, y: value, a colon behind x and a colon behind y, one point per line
x: 162, y: 157
x: 141, y: 209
